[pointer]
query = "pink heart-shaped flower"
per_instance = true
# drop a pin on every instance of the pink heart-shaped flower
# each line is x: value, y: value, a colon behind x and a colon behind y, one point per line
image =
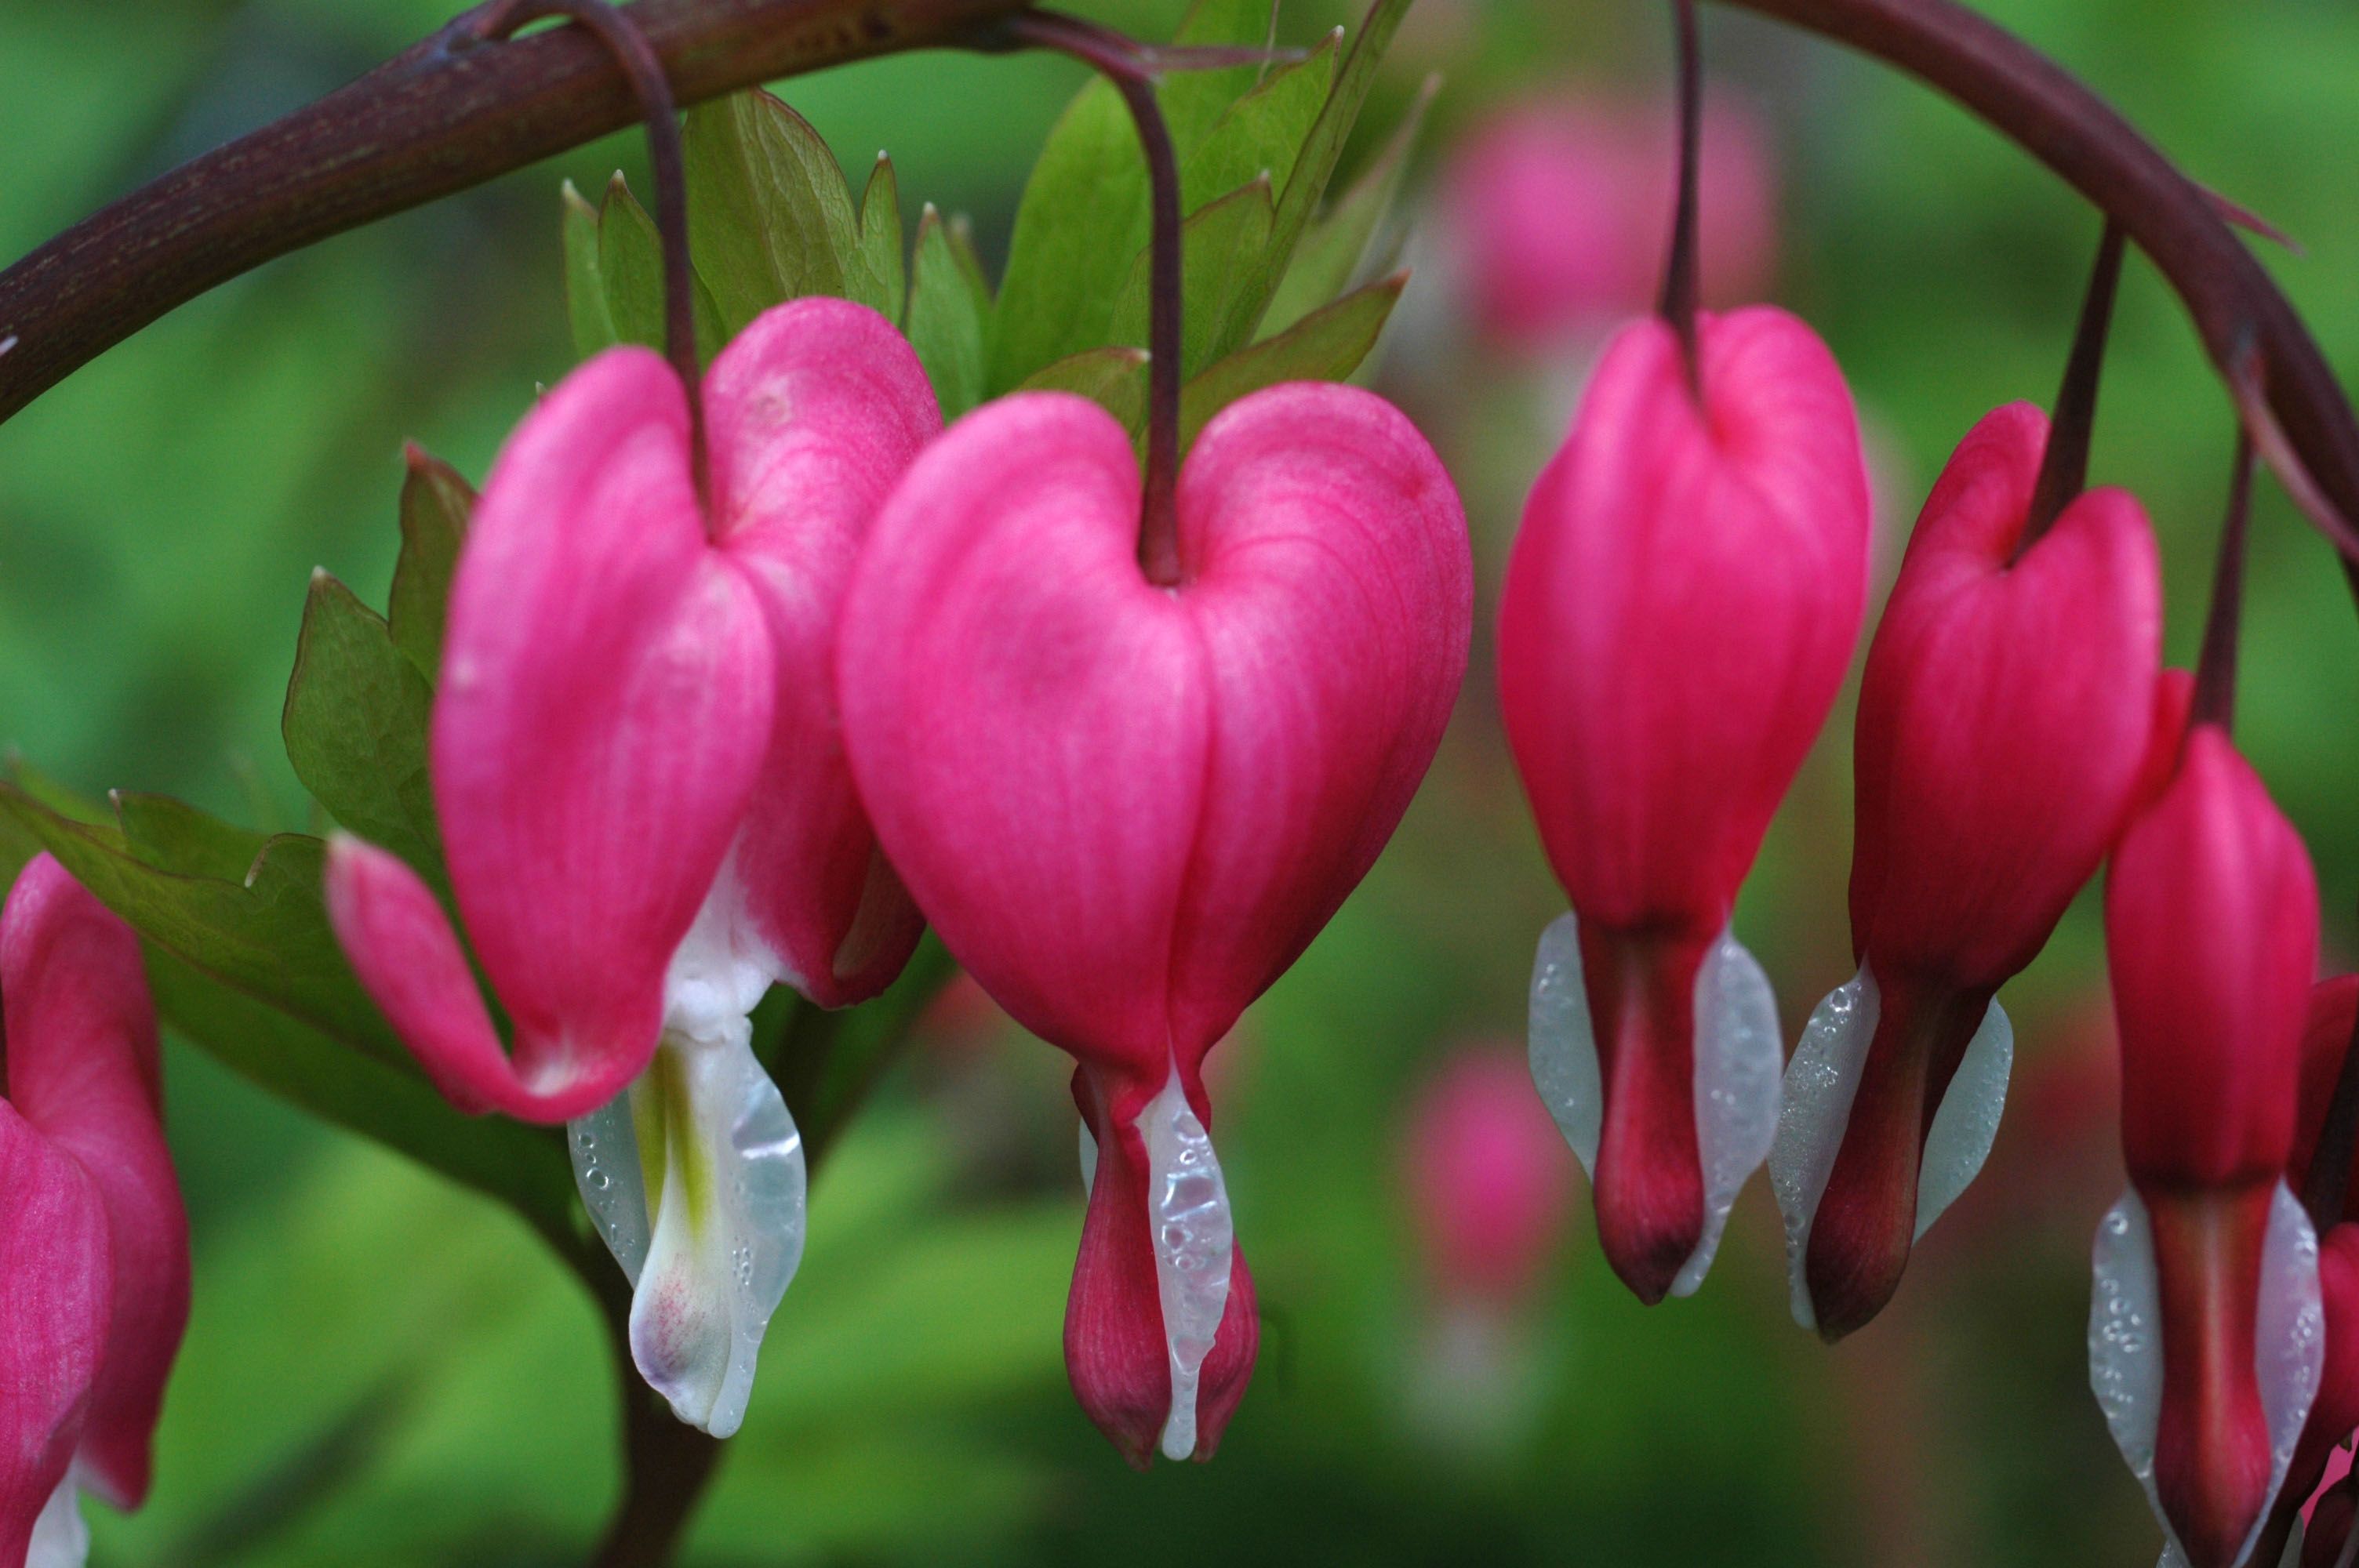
x: 1128, y: 807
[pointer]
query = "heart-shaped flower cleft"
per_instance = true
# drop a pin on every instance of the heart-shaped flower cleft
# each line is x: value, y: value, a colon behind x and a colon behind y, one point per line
x: 647, y: 815
x: 2204, y: 1342
x: 2003, y: 721
x: 1678, y: 611
x: 93, y: 1241
x: 1128, y: 804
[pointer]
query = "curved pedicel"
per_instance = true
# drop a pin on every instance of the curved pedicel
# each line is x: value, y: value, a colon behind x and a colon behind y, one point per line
x: 1815, y: 1108
x: 1738, y: 1059
x: 2125, y: 1341
x: 1195, y: 1244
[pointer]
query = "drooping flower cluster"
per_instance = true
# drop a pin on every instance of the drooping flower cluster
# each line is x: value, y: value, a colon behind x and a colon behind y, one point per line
x: 93, y: 1241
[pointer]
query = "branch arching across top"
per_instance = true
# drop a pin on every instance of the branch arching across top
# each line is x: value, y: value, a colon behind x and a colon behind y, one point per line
x: 442, y: 117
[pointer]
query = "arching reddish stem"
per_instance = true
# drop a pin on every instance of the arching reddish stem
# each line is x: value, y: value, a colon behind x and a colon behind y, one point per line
x: 1682, y: 274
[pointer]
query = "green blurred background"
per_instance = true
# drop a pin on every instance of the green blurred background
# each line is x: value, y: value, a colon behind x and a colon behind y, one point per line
x: 383, y: 1369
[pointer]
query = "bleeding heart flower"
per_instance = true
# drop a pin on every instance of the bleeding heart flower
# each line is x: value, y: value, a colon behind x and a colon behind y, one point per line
x: 1488, y: 1178
x: 2325, y: 1041
x: 646, y: 812
x: 2003, y: 720
x: 1127, y: 808
x: 2211, y: 930
x: 1556, y: 205
x: 93, y: 1241
x: 1679, y: 612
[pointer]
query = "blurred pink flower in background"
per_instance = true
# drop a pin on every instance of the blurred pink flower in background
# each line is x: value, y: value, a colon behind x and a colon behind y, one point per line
x: 1558, y: 209
x: 1489, y: 1176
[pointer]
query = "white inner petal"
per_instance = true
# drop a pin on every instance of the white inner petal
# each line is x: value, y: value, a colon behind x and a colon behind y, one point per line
x: 2126, y: 1340
x: 1737, y: 1058
x: 1089, y: 1161
x: 1563, y: 1046
x: 1966, y: 1123
x: 1194, y: 1243
x: 1821, y: 1081
x: 60, y: 1535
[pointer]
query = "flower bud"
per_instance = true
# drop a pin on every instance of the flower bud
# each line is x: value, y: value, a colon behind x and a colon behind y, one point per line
x: 94, y: 1240
x: 2004, y: 720
x: 2211, y: 930
x: 1678, y: 611
x: 1488, y: 1179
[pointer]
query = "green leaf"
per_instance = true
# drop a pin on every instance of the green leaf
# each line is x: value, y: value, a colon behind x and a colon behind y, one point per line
x: 1083, y: 214
x: 769, y: 212
x: 1220, y: 248
x: 950, y: 311
x: 1326, y: 345
x: 630, y: 260
x: 355, y: 724
x: 264, y: 933
x: 173, y: 836
x: 520, y: 1165
x: 1262, y: 132
x: 585, y: 282
x: 1316, y: 166
x: 1335, y: 248
x: 435, y: 506
x: 1114, y: 377
x: 874, y: 274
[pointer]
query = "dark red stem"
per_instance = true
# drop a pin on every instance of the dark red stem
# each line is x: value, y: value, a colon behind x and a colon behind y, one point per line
x: 1681, y: 273
x: 2215, y: 670
x: 644, y: 69
x: 2064, y: 465
x: 1129, y: 65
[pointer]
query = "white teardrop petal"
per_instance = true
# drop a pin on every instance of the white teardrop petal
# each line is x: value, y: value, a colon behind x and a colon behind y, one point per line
x: 1089, y: 1161
x: 1195, y: 1241
x: 1738, y: 1059
x: 611, y: 1180
x: 729, y: 1223
x: 2291, y: 1331
x: 1966, y: 1122
x: 1814, y: 1108
x: 60, y: 1535
x: 1563, y: 1047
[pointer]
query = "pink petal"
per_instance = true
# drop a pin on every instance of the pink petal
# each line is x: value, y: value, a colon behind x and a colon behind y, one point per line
x: 83, y: 1070
x: 1028, y: 719
x: 813, y: 412
x: 605, y: 702
x: 55, y: 1284
x: 402, y: 947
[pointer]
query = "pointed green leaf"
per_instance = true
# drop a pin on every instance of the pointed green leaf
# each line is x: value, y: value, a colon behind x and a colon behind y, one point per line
x: 949, y: 312
x: 436, y: 504
x: 1221, y: 247
x: 355, y: 724
x: 1262, y: 132
x: 1321, y: 151
x: 266, y: 934
x: 875, y: 276
x: 1114, y: 377
x: 175, y: 837
x: 521, y: 1165
x: 585, y: 282
x: 1083, y: 214
x: 1335, y: 248
x: 630, y: 260
x: 1326, y: 345
x: 769, y: 212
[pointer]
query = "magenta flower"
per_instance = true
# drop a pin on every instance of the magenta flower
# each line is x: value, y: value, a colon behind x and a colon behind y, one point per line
x: 2211, y: 931
x: 1678, y: 611
x: 1488, y: 1179
x: 1127, y: 807
x: 646, y: 812
x: 2003, y: 721
x: 93, y: 1241
x: 1555, y: 209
